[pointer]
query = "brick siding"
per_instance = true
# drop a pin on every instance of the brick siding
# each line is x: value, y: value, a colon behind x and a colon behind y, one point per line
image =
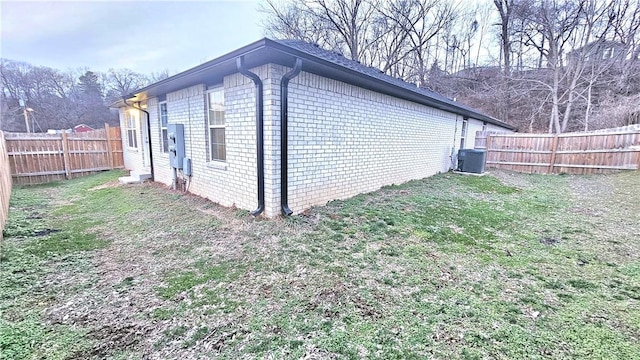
x: 230, y: 183
x: 343, y: 140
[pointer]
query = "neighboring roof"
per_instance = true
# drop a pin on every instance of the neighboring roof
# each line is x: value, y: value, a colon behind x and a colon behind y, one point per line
x: 315, y: 60
x: 598, y: 45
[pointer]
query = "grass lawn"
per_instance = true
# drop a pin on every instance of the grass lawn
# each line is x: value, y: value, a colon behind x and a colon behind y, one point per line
x: 504, y: 266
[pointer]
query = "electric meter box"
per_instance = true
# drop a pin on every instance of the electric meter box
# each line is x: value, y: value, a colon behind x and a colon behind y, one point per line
x: 186, y: 168
x: 175, y: 135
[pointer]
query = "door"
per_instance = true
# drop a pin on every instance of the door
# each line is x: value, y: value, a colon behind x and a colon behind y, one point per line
x: 144, y: 136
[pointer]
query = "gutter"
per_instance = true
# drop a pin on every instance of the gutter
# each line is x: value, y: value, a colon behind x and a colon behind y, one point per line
x: 328, y: 69
x: 207, y: 66
x: 148, y: 134
x: 378, y: 85
x: 259, y: 132
x: 284, y: 136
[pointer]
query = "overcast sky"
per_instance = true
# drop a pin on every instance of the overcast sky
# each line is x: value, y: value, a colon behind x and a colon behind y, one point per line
x: 144, y: 36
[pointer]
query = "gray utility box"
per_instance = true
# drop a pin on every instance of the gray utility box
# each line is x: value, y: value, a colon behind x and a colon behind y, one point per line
x: 175, y: 133
x: 471, y: 160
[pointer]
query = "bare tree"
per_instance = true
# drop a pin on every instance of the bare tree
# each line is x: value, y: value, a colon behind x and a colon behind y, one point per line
x: 348, y: 18
x: 556, y: 23
x: 291, y: 20
x: 542, y: 76
x: 506, y: 11
x: 420, y: 22
x: 158, y: 75
x: 343, y: 25
x: 122, y: 82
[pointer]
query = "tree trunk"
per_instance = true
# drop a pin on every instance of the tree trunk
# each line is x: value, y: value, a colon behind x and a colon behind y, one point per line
x: 567, y: 111
x: 587, y: 112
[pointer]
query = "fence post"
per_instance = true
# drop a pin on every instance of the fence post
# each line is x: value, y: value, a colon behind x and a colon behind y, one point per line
x: 554, y: 148
x: 487, y: 143
x: 107, y: 130
x: 637, y: 143
x: 5, y: 183
x: 65, y: 155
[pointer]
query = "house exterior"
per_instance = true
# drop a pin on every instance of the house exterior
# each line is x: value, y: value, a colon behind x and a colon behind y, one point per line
x: 279, y: 126
x: 82, y: 128
x: 599, y: 53
x: 135, y: 139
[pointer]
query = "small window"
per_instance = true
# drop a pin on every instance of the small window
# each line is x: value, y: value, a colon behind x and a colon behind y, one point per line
x: 463, y: 134
x: 607, y: 53
x: 216, y: 125
x: 132, y: 131
x: 164, y: 119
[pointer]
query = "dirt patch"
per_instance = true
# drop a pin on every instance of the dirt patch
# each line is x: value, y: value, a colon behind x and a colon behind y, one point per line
x: 110, y: 184
x: 117, y: 337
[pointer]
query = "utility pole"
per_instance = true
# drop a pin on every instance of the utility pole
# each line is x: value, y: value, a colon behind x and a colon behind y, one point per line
x: 26, y: 115
x: 26, y: 119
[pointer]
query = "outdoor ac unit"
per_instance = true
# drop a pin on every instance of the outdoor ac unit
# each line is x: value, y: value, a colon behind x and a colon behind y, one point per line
x: 471, y: 160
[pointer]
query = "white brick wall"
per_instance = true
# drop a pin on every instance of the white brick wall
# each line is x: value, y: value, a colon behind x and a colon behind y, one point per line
x: 233, y: 183
x: 343, y: 140
x: 271, y: 84
x: 161, y: 170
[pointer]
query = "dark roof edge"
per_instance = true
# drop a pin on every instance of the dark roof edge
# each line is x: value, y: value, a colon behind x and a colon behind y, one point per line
x: 411, y: 95
x: 265, y: 42
x: 205, y: 66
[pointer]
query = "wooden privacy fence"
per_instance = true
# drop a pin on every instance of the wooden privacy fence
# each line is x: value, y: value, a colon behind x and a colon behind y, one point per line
x: 573, y: 153
x: 39, y: 158
x: 5, y: 184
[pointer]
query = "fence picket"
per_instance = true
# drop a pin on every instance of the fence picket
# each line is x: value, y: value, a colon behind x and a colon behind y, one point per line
x: 40, y: 158
x: 65, y: 155
x: 575, y: 153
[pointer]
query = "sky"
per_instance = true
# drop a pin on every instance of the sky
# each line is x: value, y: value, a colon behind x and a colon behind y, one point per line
x: 144, y: 36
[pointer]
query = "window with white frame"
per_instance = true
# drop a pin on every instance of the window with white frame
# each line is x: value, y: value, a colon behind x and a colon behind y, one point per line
x: 164, y: 119
x: 463, y: 133
x: 607, y: 53
x: 132, y: 131
x: 216, y: 125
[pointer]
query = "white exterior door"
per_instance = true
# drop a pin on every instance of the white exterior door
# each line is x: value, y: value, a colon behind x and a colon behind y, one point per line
x: 144, y: 136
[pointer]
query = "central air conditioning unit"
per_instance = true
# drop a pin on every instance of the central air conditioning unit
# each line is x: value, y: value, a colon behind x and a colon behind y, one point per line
x: 471, y: 160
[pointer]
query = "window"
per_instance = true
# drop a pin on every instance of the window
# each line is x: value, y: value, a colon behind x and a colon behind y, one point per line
x: 216, y: 125
x: 607, y: 53
x: 463, y: 134
x: 164, y: 119
x: 132, y: 131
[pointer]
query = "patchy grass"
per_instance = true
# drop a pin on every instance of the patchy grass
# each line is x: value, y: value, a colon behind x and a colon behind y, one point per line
x: 502, y: 266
